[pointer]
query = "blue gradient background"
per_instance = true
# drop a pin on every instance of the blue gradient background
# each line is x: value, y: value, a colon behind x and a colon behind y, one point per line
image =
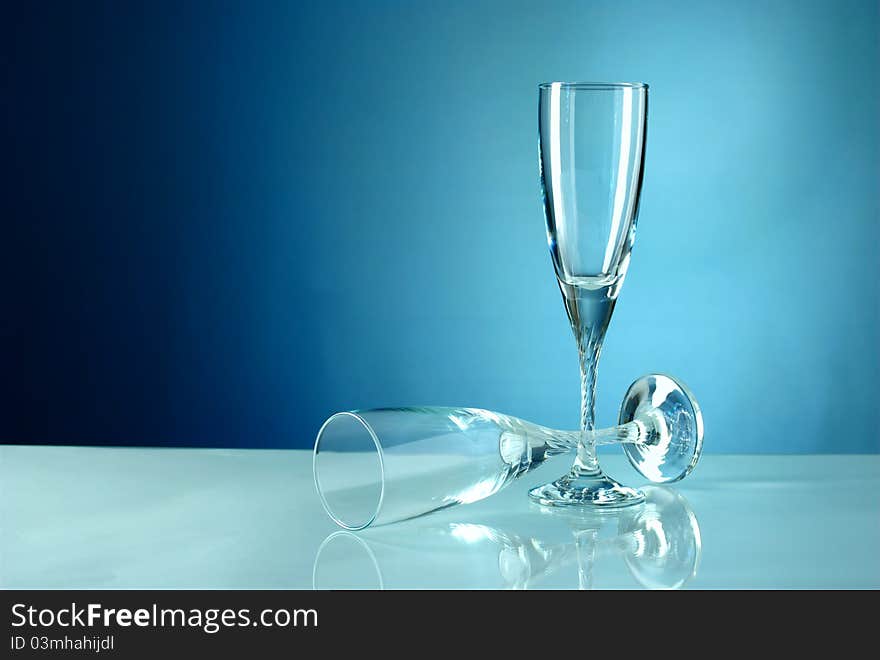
x: 227, y: 220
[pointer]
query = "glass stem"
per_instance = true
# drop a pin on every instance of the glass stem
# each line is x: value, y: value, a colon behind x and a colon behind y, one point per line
x: 531, y: 444
x: 586, y: 462
x: 634, y: 432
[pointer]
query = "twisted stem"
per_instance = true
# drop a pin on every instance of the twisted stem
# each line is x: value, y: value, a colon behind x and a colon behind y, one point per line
x: 589, y: 348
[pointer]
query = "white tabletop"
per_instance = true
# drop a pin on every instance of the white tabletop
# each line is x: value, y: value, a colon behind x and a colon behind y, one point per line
x: 77, y: 517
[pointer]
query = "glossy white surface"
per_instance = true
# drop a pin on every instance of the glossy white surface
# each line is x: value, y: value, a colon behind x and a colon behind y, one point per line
x: 74, y: 517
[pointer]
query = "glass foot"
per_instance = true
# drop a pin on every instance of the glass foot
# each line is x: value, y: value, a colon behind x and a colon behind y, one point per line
x: 671, y: 412
x: 597, y: 490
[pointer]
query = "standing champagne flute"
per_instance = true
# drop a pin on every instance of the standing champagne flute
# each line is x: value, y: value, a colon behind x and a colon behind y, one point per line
x: 592, y: 146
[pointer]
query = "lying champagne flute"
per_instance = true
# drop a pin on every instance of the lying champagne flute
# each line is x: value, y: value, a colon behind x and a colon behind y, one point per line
x: 380, y: 466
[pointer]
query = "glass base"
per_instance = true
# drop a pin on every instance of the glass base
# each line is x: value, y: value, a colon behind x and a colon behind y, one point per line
x: 595, y: 490
x: 671, y: 411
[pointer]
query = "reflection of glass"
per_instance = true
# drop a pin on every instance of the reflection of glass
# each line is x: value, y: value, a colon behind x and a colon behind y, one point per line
x: 592, y: 146
x: 659, y: 543
x: 384, y: 465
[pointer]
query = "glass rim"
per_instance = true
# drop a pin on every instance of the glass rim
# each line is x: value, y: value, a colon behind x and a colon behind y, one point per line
x: 380, y: 456
x: 593, y: 86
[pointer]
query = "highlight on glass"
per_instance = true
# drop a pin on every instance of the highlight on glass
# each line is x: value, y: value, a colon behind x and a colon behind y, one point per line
x: 379, y: 466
